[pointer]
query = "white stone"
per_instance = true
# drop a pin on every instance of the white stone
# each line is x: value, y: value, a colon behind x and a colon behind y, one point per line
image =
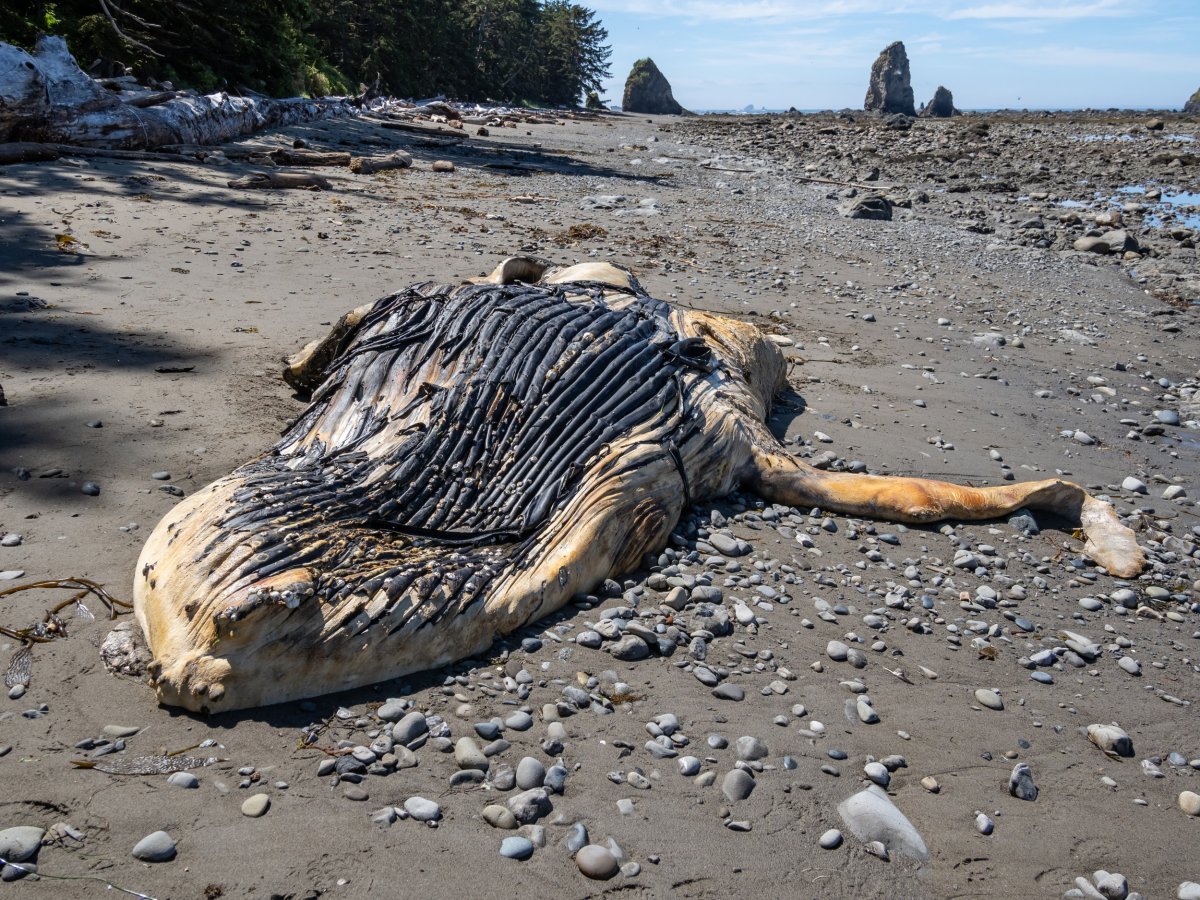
x: 871, y: 816
x: 1189, y: 802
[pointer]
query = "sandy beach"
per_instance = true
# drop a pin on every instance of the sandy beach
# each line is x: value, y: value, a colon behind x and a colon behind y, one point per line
x: 145, y: 309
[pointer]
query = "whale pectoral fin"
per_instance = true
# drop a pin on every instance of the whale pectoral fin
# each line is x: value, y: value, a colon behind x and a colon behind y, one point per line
x: 780, y: 478
x: 304, y: 369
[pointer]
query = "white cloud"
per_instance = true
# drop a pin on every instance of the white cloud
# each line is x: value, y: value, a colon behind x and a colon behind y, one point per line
x: 810, y: 10
x: 1056, y: 11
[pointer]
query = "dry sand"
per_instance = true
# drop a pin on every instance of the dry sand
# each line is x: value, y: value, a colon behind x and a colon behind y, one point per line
x: 178, y: 271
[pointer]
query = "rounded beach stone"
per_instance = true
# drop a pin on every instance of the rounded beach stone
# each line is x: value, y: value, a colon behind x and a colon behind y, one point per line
x: 830, y: 840
x: 1189, y: 802
x: 989, y: 698
x: 21, y: 842
x: 256, y: 805
x: 597, y: 862
x: 156, y: 847
x: 516, y: 848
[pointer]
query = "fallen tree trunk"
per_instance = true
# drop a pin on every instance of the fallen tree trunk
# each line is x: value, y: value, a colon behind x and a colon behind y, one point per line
x: 45, y: 97
x: 24, y: 151
x: 274, y: 180
x: 301, y: 157
x: 366, y: 165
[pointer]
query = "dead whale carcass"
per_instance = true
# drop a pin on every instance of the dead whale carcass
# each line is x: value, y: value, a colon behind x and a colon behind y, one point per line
x: 474, y: 456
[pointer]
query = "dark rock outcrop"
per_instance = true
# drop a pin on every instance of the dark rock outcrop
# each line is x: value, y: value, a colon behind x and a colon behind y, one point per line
x: 867, y: 206
x: 941, y: 106
x: 648, y: 91
x: 1193, y: 104
x: 890, y: 90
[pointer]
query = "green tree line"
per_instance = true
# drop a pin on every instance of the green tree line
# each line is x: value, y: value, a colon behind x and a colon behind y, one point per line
x: 534, y: 51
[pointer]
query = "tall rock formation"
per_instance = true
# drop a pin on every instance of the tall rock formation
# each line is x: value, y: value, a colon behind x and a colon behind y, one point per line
x: 890, y: 90
x: 648, y: 91
x: 941, y: 106
x: 1193, y: 104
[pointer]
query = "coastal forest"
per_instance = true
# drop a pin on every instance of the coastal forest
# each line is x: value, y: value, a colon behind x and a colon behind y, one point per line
x: 547, y: 52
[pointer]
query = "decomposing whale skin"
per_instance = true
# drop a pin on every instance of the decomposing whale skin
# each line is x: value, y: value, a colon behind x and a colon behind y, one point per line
x: 473, y: 457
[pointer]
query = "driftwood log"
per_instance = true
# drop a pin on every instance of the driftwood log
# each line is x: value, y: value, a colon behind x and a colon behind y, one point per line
x: 366, y: 165
x: 27, y: 151
x: 277, y: 180
x: 46, y: 98
x: 472, y: 458
x: 301, y: 157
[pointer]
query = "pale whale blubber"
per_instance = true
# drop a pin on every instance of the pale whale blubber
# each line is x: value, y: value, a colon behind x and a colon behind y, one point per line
x: 472, y: 458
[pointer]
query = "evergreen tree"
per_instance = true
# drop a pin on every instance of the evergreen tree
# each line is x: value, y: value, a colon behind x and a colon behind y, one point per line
x: 507, y: 50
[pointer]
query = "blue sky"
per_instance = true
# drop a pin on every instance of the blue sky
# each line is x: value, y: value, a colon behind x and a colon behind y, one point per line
x: 817, y: 54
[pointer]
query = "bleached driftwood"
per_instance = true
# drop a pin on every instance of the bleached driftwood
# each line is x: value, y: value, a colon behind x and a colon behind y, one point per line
x: 45, y: 97
x: 301, y: 157
x: 366, y: 165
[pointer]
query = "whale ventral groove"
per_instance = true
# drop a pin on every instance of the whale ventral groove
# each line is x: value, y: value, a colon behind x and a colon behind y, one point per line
x: 472, y: 457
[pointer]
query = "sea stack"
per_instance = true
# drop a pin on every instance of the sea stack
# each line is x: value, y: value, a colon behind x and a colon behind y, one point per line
x: 648, y: 91
x: 890, y: 90
x: 941, y: 106
x: 1193, y: 104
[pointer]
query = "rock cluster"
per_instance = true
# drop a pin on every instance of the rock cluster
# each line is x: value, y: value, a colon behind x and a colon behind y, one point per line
x: 1193, y: 104
x: 648, y: 91
x: 890, y: 90
x: 941, y: 106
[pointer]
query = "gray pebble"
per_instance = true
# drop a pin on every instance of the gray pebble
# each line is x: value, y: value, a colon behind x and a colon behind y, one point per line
x: 409, y: 728
x: 630, y: 648
x: 92, y: 490
x: 830, y: 840
x: 499, y: 817
x: 577, y: 837
x: 597, y: 862
x: 256, y: 805
x: 1020, y: 783
x: 519, y: 721
x: 878, y: 773
x: 529, y: 806
x: 504, y: 778
x: 183, y: 780
x: 161, y: 476
x: 156, y: 847
x: 467, y: 777
x: 729, y: 692
x: 468, y: 755
x: 393, y: 711
x: 15, y: 872
x: 1130, y: 665
x: 989, y: 698
x: 516, y: 847
x: 751, y: 748
x: 737, y: 785
x: 556, y: 779
x: 422, y: 810
x: 530, y: 773
x: 20, y: 842
x: 1134, y: 485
